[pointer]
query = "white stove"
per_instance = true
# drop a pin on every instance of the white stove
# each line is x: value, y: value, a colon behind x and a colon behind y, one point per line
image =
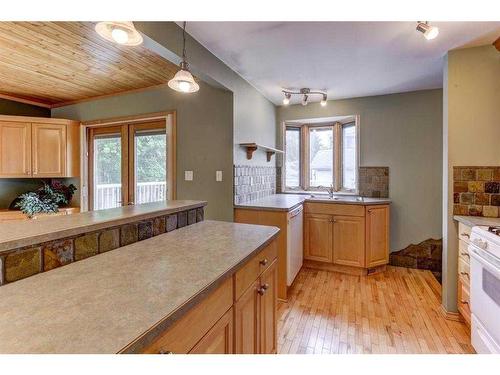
x: 484, y: 250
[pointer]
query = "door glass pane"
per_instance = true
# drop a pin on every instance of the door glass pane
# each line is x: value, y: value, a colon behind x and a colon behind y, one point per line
x: 107, y: 172
x: 349, y: 157
x: 321, y: 157
x: 292, y: 162
x: 150, y: 167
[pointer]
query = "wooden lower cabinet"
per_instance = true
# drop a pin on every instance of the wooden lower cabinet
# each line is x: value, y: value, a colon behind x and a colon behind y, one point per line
x: 219, y: 340
x: 246, y: 319
x: 228, y: 322
x: 348, y: 241
x: 346, y: 237
x: 318, y: 237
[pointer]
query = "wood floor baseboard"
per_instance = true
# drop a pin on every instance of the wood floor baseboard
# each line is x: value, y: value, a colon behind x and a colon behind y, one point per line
x: 350, y: 270
x: 454, y: 316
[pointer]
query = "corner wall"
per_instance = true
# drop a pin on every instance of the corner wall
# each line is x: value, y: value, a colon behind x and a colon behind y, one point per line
x: 403, y: 132
x: 471, y: 126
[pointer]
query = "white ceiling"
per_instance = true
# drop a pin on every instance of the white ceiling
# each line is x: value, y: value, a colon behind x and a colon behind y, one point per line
x: 348, y: 59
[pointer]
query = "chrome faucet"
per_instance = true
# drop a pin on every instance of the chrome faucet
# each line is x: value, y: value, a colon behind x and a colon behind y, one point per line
x: 330, y: 191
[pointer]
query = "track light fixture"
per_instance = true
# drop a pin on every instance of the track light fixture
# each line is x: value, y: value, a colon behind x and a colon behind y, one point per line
x: 430, y: 32
x: 305, y: 92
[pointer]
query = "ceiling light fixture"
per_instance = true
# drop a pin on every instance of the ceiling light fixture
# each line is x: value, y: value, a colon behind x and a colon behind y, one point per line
x: 123, y: 33
x: 286, y: 99
x: 305, y: 93
x: 430, y: 32
x: 183, y: 80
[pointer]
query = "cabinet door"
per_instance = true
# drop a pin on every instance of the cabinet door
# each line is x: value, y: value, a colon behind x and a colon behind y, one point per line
x: 49, y: 150
x: 219, y: 340
x: 15, y: 149
x: 318, y: 243
x: 246, y: 321
x: 377, y: 235
x: 349, y: 241
x: 268, y: 309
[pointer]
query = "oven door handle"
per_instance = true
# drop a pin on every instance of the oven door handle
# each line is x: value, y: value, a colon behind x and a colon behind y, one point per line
x: 492, y: 267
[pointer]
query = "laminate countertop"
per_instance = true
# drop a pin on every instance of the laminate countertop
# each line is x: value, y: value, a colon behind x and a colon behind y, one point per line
x: 473, y: 221
x: 287, y: 202
x: 25, y: 233
x: 104, y: 303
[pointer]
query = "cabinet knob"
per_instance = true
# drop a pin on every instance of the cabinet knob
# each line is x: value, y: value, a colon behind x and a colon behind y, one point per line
x: 165, y: 352
x: 263, y: 262
x: 261, y: 291
x: 265, y: 286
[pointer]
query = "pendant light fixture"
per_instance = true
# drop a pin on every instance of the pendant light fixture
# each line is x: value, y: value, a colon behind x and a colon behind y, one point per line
x: 123, y: 33
x: 183, y: 80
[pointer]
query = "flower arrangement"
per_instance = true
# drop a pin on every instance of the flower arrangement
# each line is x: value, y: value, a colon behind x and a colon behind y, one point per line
x: 46, y: 199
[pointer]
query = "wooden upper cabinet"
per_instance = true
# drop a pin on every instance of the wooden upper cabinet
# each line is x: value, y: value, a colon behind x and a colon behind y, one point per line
x: 268, y: 309
x: 15, y: 149
x: 49, y: 150
x: 377, y: 235
x: 247, y: 322
x: 318, y: 241
x: 349, y: 241
x: 39, y: 147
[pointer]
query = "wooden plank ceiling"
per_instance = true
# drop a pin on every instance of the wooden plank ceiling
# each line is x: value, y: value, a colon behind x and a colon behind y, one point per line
x: 55, y: 63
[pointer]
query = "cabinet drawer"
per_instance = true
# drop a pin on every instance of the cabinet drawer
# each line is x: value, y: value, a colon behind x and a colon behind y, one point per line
x: 464, y: 269
x: 463, y: 251
x: 334, y: 209
x: 247, y: 275
x: 188, y: 331
x: 464, y: 232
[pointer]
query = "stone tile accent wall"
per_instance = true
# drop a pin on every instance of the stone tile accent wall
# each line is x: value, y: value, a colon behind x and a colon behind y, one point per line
x: 374, y: 182
x: 27, y: 261
x: 476, y: 191
x: 253, y: 182
x: 426, y: 255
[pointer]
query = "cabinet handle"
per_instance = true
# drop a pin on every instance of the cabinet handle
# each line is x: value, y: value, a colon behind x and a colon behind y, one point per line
x: 467, y: 235
x: 464, y: 273
x: 263, y: 262
x: 165, y: 352
x: 467, y: 255
x: 465, y: 302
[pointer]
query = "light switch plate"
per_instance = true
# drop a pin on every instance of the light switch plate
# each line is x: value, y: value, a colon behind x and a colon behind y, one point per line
x: 218, y: 176
x: 188, y: 175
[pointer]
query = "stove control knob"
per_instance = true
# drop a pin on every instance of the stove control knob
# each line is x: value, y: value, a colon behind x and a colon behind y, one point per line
x: 481, y: 244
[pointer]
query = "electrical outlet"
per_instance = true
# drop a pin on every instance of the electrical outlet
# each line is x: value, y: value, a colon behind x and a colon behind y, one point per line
x: 218, y: 176
x: 188, y: 175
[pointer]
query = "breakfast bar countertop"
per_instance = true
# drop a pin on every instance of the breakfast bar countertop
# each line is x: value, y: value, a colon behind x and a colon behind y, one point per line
x: 287, y: 202
x: 29, y: 232
x: 120, y: 301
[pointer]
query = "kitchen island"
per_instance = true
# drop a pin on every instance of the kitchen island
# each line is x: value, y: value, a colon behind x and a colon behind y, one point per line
x: 129, y: 299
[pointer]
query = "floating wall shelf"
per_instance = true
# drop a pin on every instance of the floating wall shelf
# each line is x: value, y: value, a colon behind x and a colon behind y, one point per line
x: 251, y: 147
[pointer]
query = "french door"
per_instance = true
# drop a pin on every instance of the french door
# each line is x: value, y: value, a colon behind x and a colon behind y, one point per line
x: 130, y: 163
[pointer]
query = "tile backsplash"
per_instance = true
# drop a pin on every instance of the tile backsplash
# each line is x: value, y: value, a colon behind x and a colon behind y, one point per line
x: 253, y: 182
x: 374, y: 182
x: 476, y: 191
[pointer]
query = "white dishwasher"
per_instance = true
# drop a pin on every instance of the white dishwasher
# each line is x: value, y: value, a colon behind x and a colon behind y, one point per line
x: 294, y: 244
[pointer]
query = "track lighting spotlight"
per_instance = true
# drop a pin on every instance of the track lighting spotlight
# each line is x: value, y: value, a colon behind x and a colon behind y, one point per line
x: 286, y: 99
x: 304, y: 99
x: 430, y: 32
x: 323, y: 101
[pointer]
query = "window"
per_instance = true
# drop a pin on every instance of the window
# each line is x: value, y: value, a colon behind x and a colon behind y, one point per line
x: 318, y: 156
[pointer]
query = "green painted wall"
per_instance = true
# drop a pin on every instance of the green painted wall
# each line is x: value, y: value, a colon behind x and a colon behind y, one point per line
x: 204, y: 137
x: 471, y: 105
x: 404, y: 132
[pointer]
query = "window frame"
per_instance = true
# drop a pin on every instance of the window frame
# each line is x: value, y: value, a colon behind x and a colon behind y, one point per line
x: 304, y: 171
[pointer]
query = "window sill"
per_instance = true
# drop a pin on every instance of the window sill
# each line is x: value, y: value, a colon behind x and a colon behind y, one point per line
x: 316, y: 192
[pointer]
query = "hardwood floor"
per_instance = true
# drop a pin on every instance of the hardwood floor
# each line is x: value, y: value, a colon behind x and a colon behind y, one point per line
x: 393, y: 312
